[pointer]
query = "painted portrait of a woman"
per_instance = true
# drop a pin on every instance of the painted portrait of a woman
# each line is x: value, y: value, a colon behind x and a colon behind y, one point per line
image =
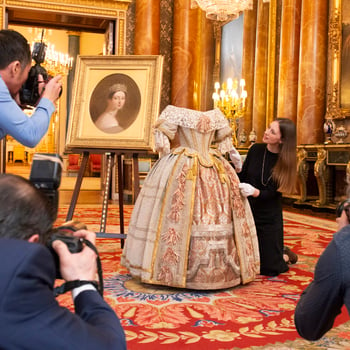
x: 108, y: 120
x: 115, y: 103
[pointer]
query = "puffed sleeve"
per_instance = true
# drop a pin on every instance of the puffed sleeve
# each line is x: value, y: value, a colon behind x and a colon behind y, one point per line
x: 223, y: 138
x: 163, y: 133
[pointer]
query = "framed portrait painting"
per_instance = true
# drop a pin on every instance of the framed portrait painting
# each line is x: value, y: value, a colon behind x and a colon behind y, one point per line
x: 115, y: 102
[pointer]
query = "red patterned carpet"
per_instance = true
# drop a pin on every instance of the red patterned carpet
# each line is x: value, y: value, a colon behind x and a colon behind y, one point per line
x: 255, y: 316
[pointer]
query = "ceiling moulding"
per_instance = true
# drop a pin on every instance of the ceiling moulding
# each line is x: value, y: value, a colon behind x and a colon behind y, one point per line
x: 105, y: 8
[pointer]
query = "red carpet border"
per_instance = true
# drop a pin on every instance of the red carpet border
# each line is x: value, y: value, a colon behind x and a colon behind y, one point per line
x: 259, y: 315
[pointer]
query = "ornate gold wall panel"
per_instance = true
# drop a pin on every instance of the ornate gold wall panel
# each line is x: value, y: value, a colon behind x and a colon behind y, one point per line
x: 335, y: 50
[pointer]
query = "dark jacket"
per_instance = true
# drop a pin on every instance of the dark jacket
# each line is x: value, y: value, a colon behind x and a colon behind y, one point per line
x: 322, y: 300
x: 31, y: 318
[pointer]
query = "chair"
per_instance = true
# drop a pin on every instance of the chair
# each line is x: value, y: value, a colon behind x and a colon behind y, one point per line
x: 19, y: 154
x: 95, y: 164
x: 73, y: 163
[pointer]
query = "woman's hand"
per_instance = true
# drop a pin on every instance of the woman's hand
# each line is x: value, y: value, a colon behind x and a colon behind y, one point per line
x: 248, y: 190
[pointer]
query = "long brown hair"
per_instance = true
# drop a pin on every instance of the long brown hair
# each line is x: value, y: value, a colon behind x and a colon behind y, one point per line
x: 284, y: 172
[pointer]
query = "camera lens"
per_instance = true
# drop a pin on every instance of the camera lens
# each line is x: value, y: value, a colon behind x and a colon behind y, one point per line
x: 341, y: 206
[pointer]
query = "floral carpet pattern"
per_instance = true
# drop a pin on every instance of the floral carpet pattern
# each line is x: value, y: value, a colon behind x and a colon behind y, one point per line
x: 259, y: 315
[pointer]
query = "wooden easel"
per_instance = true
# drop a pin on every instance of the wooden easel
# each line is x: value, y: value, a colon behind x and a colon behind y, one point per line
x: 108, y: 174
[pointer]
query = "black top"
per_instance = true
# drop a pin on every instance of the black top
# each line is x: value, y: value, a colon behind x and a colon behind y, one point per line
x: 257, y: 172
x: 266, y: 208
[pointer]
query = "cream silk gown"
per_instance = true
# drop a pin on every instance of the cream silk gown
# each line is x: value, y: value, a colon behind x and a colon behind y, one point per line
x: 190, y: 227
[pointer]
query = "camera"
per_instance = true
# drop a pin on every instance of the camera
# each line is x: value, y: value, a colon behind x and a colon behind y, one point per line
x: 29, y: 93
x: 343, y: 206
x: 64, y: 233
x: 45, y: 175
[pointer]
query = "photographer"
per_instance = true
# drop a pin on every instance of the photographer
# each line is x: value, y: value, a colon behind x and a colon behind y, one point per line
x: 321, y: 302
x: 15, y: 64
x: 30, y: 316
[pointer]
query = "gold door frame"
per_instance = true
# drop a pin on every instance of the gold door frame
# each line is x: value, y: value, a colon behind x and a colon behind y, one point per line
x: 109, y: 9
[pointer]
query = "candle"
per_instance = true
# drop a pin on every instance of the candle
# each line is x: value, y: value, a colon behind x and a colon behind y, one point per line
x: 222, y: 94
x: 244, y: 96
x: 216, y: 99
x: 234, y: 97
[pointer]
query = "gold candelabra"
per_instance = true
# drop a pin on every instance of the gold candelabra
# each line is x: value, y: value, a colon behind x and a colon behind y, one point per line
x: 231, y: 103
x: 57, y: 62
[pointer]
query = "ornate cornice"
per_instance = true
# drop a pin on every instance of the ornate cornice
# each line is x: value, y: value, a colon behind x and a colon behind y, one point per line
x: 105, y: 8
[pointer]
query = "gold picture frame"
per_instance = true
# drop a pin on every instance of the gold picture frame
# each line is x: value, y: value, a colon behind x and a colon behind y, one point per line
x: 338, y: 82
x: 96, y: 78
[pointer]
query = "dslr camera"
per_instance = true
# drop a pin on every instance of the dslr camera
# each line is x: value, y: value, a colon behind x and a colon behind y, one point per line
x: 64, y: 233
x: 29, y: 94
x: 45, y: 175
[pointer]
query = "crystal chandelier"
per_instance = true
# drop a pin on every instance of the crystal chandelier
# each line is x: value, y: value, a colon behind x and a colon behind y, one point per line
x: 222, y: 10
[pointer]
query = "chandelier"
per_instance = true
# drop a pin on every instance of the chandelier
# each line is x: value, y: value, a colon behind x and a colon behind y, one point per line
x: 57, y: 62
x: 231, y: 102
x: 222, y: 10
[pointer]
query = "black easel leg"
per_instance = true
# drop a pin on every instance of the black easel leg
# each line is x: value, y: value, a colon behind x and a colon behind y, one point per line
x: 77, y: 186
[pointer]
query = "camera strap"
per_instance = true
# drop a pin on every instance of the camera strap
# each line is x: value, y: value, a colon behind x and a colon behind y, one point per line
x: 67, y: 286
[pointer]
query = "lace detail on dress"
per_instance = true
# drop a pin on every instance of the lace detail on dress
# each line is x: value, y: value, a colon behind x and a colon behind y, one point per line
x: 178, y: 197
x: 225, y: 145
x: 189, y: 118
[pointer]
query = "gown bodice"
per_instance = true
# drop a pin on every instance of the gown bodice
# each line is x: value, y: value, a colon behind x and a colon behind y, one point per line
x: 195, y: 131
x: 196, y: 141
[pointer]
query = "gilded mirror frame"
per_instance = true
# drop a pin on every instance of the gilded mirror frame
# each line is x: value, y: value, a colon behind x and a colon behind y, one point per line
x: 335, y: 69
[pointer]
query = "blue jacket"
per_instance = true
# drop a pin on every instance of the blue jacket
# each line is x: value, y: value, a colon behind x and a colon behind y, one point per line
x: 13, y: 121
x: 31, y: 318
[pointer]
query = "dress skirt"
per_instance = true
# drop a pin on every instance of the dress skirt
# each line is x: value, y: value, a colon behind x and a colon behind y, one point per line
x: 190, y: 227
